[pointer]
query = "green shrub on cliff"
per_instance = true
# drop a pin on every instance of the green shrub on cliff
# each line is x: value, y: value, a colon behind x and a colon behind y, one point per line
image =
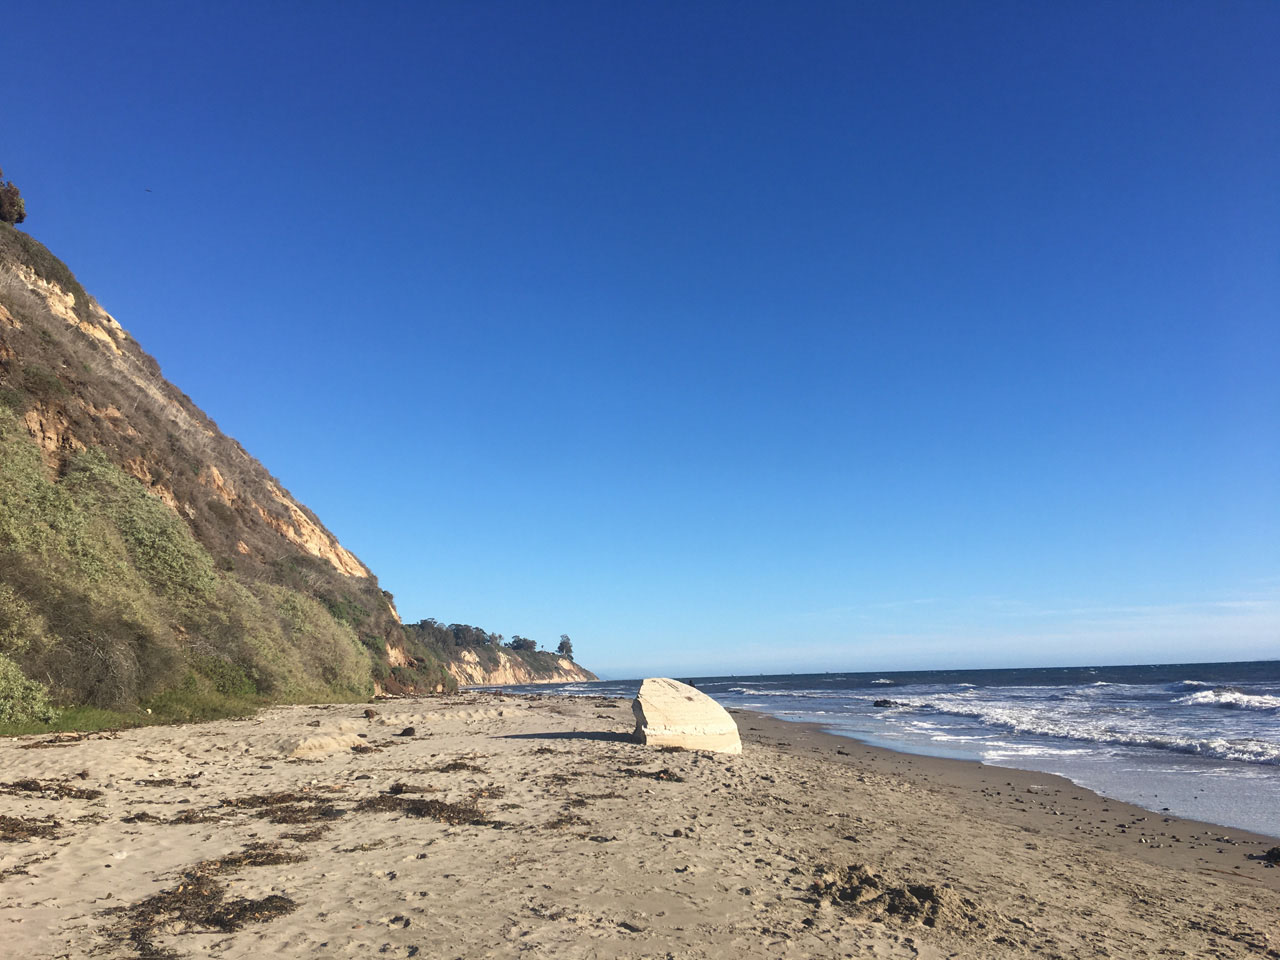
x: 22, y: 248
x: 13, y: 208
x: 159, y: 545
x: 184, y: 593
x: 107, y: 600
x: 22, y: 700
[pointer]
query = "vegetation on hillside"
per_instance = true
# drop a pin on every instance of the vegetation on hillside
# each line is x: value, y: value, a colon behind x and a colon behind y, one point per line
x: 12, y: 207
x: 444, y: 641
x: 141, y: 564
x: 144, y: 575
x: 107, y: 600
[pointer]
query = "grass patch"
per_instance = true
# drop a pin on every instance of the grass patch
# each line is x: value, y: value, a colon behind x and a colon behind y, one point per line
x: 77, y: 720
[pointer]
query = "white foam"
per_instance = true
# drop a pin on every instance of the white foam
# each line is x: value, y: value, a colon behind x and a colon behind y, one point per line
x: 1040, y: 720
x: 1189, y: 685
x: 1234, y: 699
x: 1033, y: 750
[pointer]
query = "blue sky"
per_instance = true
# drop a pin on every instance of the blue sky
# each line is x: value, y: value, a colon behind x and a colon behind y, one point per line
x: 724, y: 337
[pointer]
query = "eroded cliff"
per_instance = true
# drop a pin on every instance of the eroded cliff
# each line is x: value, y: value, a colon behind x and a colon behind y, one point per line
x: 146, y: 559
x: 469, y: 669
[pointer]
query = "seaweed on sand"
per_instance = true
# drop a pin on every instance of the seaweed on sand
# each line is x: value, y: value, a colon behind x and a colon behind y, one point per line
x: 453, y: 766
x: 382, y: 803
x: 60, y: 789
x: 398, y: 788
x: 199, y: 902
x: 664, y: 774
x: 184, y: 818
x: 301, y: 813
x: 13, y: 829
x: 267, y: 799
x: 253, y: 855
x: 287, y: 807
x: 450, y: 813
x: 67, y: 739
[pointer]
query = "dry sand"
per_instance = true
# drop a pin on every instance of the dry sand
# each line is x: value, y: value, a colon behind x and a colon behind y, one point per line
x: 500, y: 825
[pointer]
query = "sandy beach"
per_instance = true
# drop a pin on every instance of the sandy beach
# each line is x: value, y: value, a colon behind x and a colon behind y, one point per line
x: 494, y: 825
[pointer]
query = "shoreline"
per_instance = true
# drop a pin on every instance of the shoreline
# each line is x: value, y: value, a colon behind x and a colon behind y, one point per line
x: 494, y: 825
x: 1023, y: 798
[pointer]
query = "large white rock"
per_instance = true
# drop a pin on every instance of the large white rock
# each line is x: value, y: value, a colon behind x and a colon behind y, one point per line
x: 673, y: 714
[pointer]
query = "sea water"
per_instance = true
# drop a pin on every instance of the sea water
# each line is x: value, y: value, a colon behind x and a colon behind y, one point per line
x: 1196, y: 740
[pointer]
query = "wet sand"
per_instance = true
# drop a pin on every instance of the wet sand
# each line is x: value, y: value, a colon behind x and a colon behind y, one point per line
x: 492, y: 825
x: 1043, y: 801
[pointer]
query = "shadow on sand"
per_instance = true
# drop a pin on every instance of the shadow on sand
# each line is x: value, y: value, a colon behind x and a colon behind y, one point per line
x: 571, y: 735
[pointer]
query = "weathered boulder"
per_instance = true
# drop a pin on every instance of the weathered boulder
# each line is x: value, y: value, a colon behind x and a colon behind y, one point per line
x: 673, y: 714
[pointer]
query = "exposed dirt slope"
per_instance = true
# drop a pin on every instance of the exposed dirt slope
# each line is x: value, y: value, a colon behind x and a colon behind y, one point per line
x: 145, y: 556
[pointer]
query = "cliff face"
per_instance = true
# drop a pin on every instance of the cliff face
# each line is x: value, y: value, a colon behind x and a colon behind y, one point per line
x: 145, y: 557
x: 509, y: 667
x: 87, y: 368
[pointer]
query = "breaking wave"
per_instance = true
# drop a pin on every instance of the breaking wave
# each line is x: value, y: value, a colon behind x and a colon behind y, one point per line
x: 1047, y: 723
x: 1232, y: 699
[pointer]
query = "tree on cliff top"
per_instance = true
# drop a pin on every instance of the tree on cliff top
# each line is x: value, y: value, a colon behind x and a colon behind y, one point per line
x: 12, y: 208
x: 566, y: 646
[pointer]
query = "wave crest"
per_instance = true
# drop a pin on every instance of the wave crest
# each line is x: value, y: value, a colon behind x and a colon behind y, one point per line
x: 1231, y: 699
x: 1046, y: 724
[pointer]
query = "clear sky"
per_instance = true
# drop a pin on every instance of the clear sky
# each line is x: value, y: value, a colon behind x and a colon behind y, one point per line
x: 723, y: 337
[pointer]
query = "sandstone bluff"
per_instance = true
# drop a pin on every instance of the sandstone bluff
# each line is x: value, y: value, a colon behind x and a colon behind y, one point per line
x: 148, y: 562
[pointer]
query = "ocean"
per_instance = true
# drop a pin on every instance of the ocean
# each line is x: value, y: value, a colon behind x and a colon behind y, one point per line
x: 1196, y: 740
